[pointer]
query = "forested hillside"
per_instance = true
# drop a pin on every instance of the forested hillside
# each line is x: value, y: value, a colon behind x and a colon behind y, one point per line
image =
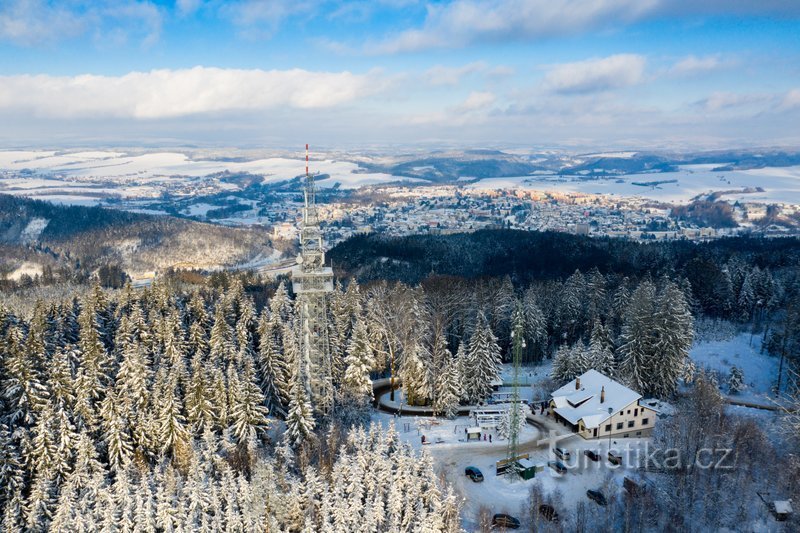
x: 66, y: 241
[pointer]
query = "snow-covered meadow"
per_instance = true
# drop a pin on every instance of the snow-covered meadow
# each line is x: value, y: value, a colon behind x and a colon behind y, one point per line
x: 780, y: 184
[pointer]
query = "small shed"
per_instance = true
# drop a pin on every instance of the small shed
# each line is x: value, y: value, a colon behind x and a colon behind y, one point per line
x: 783, y: 510
x: 527, y: 469
x: 474, y: 433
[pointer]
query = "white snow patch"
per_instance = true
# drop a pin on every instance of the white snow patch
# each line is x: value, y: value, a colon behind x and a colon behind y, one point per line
x: 34, y: 228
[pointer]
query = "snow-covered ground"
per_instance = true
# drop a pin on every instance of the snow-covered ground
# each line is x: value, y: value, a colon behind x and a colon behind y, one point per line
x: 121, y: 166
x: 780, y: 184
x: 760, y: 370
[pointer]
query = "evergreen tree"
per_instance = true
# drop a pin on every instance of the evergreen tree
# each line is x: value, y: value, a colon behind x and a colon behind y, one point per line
x: 736, y: 380
x: 248, y: 413
x: 359, y: 362
x: 482, y: 363
x: 300, y: 418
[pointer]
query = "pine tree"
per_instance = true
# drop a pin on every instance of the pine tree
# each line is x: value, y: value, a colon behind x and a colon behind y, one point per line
x: 637, y: 342
x: 22, y: 385
x: 271, y: 365
x: 300, y: 419
x: 482, y: 362
x: 675, y: 329
x: 115, y: 433
x: 600, y: 350
x: 359, y: 362
x: 248, y: 413
x: 446, y: 377
x: 736, y: 380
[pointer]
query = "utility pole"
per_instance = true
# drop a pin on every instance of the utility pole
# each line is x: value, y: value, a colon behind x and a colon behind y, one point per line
x: 517, y: 346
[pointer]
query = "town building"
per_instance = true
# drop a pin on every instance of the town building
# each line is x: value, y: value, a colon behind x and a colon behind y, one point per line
x: 595, y: 406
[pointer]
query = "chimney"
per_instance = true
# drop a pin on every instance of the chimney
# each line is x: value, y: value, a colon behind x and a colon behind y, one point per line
x: 603, y: 394
x: 578, y: 383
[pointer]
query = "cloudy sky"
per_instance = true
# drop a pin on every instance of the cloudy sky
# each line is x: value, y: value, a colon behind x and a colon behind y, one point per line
x: 363, y: 73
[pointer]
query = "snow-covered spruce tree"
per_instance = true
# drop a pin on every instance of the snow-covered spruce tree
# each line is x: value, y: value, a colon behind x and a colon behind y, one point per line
x: 300, y: 418
x: 199, y: 397
x: 12, y: 473
x: 736, y: 380
x: 271, y: 366
x: 601, y: 349
x: 248, y: 413
x: 22, y: 387
x: 482, y: 363
x: 675, y: 330
x: 447, y: 389
x: 535, y: 326
x: 359, y: 362
x: 415, y: 375
x: 116, y: 436
x: 637, y: 340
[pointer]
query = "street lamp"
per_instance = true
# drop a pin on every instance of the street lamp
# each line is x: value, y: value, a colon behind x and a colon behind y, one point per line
x: 611, y: 423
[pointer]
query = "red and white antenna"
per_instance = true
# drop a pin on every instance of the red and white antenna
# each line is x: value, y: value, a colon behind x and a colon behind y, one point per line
x: 306, y: 159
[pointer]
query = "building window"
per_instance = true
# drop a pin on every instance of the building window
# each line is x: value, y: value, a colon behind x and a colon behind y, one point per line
x: 630, y: 423
x: 638, y: 433
x: 619, y: 425
x: 608, y: 428
x: 645, y: 421
x: 629, y: 411
x: 636, y: 412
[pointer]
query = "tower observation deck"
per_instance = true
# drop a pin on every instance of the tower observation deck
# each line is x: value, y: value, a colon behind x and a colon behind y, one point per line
x: 312, y: 281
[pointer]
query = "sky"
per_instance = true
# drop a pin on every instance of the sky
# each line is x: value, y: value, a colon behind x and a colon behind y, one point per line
x: 538, y: 74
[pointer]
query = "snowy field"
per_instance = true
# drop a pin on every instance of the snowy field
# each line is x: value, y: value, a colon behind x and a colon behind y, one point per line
x: 156, y: 166
x: 760, y: 370
x: 780, y: 184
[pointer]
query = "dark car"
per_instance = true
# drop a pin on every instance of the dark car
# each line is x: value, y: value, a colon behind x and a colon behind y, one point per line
x: 505, y: 521
x: 474, y: 474
x: 591, y: 454
x: 596, y: 496
x: 558, y: 466
x: 548, y: 512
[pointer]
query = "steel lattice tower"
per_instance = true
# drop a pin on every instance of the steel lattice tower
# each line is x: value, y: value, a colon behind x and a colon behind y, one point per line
x: 312, y: 281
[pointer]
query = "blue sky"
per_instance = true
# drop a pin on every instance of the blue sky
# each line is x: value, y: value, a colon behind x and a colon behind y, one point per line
x: 669, y: 74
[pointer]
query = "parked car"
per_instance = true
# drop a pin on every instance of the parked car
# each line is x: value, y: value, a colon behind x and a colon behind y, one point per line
x: 561, y: 453
x: 505, y: 521
x: 596, y: 496
x: 558, y: 466
x: 614, y: 457
x: 548, y: 512
x: 591, y: 454
x: 634, y: 488
x: 474, y: 474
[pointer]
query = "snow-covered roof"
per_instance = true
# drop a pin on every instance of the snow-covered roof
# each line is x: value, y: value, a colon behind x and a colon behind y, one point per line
x: 474, y: 430
x: 783, y: 507
x: 583, y: 402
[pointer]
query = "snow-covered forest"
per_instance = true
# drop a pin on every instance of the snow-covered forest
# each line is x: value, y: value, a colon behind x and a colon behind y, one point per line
x: 179, y: 407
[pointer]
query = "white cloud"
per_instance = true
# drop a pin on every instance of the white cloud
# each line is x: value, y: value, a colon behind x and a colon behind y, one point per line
x: 593, y: 75
x: 463, y: 22
x: 258, y: 19
x: 444, y: 75
x: 187, y: 7
x: 174, y: 93
x: 720, y: 101
x: 476, y: 101
x: 692, y: 65
x: 791, y: 99
x: 458, y: 23
x: 35, y: 22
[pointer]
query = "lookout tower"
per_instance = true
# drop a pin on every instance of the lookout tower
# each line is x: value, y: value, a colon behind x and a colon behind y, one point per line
x: 312, y: 281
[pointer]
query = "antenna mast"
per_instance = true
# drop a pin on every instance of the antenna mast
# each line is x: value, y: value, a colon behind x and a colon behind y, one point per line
x: 312, y: 281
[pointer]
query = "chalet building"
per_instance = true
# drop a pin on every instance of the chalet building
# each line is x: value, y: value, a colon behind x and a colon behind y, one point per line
x: 595, y: 406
